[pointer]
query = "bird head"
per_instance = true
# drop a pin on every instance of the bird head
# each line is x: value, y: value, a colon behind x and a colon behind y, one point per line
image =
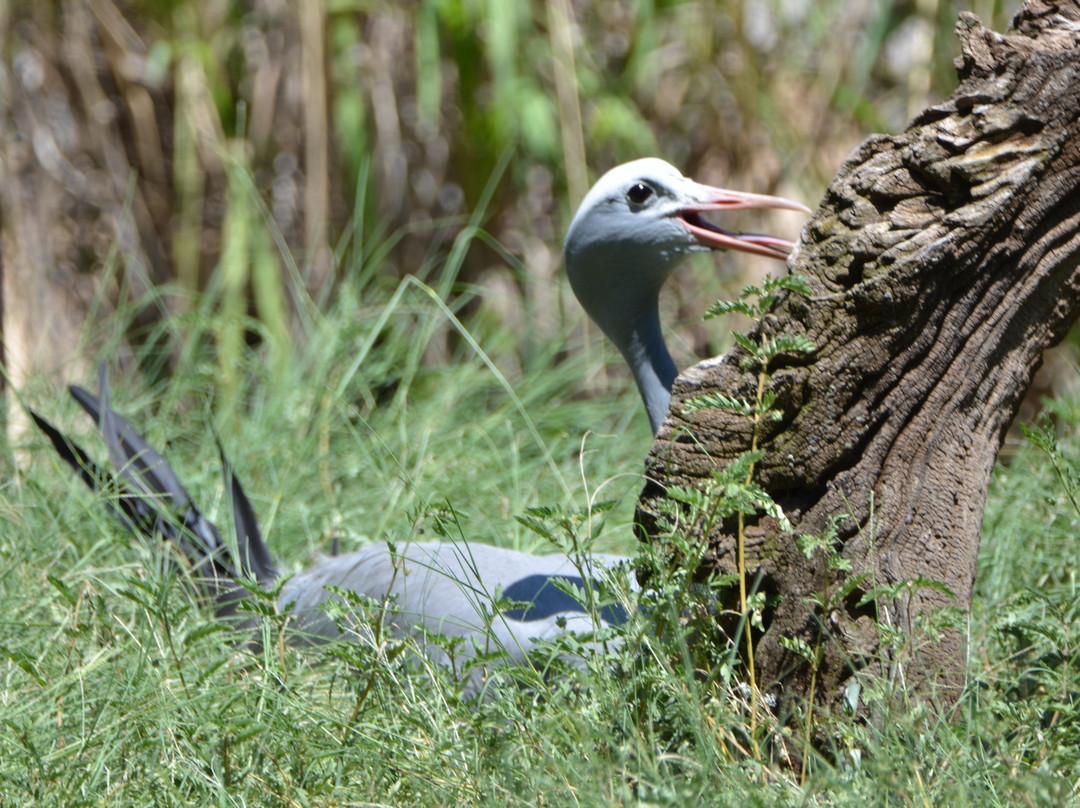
x: 637, y: 223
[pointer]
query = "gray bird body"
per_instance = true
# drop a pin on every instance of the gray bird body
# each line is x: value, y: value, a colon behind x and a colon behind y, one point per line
x: 632, y: 229
x: 499, y: 602
x: 447, y: 587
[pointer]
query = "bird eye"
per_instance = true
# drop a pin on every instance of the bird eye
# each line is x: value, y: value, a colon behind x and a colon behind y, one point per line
x: 639, y: 193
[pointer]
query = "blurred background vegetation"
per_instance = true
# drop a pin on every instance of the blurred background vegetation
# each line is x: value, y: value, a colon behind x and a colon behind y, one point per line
x: 223, y: 199
x: 253, y: 159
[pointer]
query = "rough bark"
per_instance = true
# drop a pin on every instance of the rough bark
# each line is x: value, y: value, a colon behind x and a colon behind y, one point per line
x: 943, y: 262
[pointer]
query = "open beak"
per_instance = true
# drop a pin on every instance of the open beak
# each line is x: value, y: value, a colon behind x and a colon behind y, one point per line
x: 720, y: 199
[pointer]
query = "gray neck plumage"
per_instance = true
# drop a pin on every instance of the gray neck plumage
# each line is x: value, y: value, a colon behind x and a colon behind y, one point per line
x: 623, y: 297
x: 642, y: 346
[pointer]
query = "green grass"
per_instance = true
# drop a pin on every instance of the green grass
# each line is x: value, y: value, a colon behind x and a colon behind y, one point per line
x: 362, y: 417
x: 119, y: 688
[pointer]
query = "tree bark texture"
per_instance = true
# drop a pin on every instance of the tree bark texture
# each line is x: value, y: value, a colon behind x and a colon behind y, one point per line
x: 943, y: 262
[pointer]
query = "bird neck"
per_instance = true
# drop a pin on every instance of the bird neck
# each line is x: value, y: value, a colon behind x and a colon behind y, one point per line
x: 642, y: 346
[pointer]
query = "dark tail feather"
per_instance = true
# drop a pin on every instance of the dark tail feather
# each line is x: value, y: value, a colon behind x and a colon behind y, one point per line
x: 133, y: 458
x: 124, y: 508
x: 152, y: 501
x: 254, y: 555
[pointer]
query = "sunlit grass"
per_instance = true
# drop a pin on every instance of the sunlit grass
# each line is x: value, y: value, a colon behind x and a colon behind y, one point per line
x: 393, y: 403
x: 355, y: 413
x: 118, y: 687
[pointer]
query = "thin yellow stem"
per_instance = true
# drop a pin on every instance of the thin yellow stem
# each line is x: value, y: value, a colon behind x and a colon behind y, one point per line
x: 810, y: 710
x: 741, y: 550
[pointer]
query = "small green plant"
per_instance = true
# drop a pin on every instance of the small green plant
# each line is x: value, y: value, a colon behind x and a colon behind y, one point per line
x: 827, y: 543
x: 562, y: 527
x: 737, y: 488
x: 1044, y: 438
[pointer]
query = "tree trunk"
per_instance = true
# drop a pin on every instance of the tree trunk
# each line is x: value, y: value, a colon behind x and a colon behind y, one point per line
x: 943, y: 262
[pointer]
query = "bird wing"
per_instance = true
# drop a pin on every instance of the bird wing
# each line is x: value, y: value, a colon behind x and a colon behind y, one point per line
x: 450, y: 588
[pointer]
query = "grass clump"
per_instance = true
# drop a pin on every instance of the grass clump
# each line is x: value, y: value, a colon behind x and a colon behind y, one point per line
x: 118, y: 687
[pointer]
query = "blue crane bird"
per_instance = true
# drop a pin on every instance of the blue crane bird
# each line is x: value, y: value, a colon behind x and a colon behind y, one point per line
x: 632, y: 229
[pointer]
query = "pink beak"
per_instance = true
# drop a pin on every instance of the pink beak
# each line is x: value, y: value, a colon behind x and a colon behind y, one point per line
x: 720, y: 199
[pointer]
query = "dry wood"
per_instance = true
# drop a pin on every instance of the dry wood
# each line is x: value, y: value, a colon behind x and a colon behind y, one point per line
x: 944, y: 261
